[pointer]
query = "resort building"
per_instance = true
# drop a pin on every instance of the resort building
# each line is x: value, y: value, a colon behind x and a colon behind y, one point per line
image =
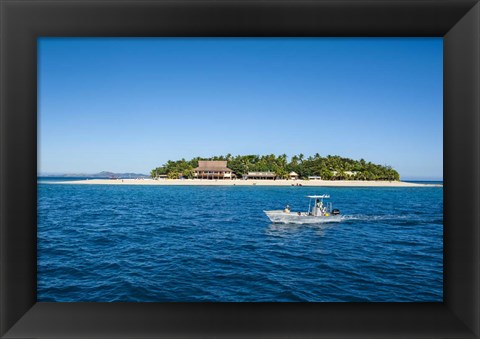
x: 314, y: 177
x: 260, y: 175
x: 213, y: 169
x: 347, y: 173
x: 293, y: 176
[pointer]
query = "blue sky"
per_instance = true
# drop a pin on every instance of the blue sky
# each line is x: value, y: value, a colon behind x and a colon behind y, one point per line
x: 131, y: 104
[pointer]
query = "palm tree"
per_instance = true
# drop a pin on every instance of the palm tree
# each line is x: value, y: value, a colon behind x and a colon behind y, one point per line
x: 282, y: 160
x: 173, y: 175
x: 294, y: 161
x: 188, y: 173
x: 281, y: 173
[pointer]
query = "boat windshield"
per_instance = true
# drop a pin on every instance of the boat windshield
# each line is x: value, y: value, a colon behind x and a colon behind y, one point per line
x: 318, y: 206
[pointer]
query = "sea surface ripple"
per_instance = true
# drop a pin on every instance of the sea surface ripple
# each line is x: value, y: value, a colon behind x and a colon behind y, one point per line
x: 206, y: 243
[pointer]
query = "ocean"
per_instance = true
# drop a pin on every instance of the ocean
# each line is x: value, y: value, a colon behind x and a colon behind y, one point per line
x: 109, y: 243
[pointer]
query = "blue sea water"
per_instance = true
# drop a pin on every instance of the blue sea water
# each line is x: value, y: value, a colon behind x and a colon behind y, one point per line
x: 209, y: 243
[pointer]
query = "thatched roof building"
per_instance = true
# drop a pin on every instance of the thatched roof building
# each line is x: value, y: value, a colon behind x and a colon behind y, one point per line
x: 261, y: 175
x: 213, y: 169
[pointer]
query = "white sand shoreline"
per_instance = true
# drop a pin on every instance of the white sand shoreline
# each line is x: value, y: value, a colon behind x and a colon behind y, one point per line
x: 199, y: 182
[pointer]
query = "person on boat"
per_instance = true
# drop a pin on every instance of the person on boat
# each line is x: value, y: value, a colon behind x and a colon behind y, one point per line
x: 318, y: 208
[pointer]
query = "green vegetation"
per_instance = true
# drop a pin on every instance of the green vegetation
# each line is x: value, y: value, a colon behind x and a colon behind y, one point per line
x: 331, y: 167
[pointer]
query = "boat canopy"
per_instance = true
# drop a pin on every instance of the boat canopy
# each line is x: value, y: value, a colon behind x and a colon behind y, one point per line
x: 323, y: 196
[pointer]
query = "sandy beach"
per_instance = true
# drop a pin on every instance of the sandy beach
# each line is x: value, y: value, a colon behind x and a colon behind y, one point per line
x: 198, y: 182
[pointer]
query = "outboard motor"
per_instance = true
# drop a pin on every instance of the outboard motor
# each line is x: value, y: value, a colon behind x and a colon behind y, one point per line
x: 335, y: 211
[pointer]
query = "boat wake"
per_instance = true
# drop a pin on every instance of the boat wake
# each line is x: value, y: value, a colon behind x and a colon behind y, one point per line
x: 391, y: 218
x: 366, y: 217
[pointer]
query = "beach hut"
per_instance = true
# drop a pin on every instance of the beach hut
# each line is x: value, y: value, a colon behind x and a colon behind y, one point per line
x: 293, y: 175
x: 261, y: 175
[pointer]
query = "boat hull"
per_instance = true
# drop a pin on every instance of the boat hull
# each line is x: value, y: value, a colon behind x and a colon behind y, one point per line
x: 281, y: 217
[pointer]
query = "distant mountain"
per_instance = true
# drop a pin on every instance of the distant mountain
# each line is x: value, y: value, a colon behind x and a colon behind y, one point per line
x: 103, y: 174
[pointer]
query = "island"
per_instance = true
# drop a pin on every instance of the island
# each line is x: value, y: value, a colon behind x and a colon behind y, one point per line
x: 271, y: 167
x: 267, y: 170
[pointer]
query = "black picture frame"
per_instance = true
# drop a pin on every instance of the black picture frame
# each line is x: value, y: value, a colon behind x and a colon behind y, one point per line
x: 23, y: 21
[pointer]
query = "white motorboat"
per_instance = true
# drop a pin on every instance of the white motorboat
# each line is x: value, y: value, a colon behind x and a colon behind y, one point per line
x: 318, y: 213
